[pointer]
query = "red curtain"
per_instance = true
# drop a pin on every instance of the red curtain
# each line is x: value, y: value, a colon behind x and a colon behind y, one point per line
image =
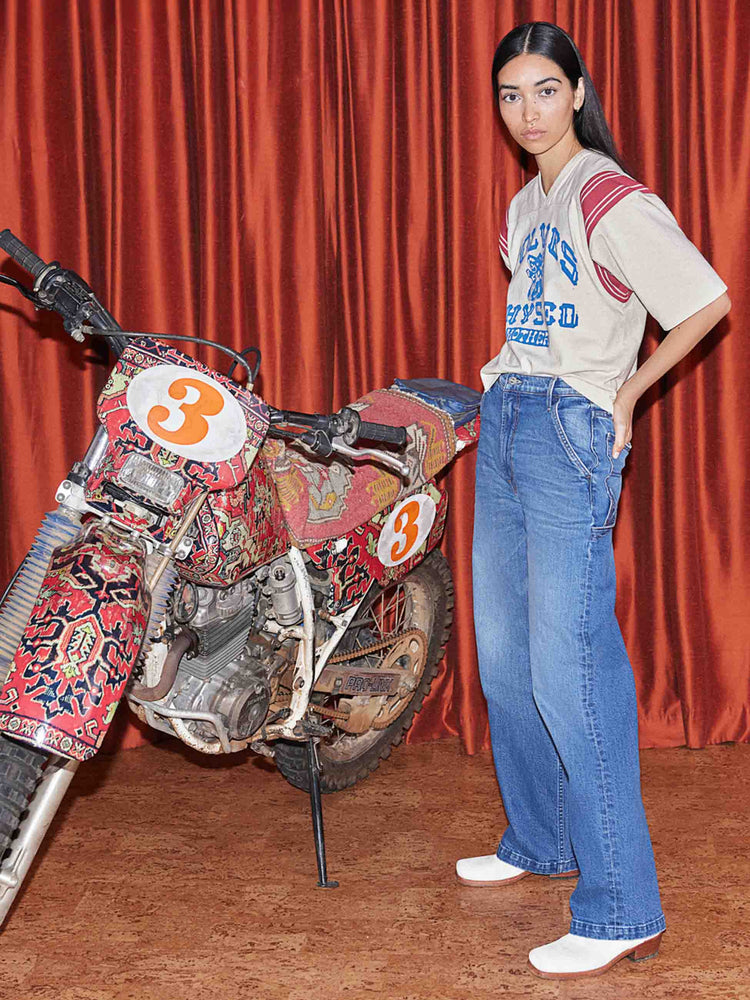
x: 326, y: 179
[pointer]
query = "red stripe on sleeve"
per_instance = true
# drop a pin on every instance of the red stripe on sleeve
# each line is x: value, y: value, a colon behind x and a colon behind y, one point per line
x: 504, y: 236
x: 600, y: 193
x: 613, y: 285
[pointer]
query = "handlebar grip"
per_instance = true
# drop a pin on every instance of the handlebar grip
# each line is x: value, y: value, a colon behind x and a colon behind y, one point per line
x: 21, y: 253
x: 383, y: 432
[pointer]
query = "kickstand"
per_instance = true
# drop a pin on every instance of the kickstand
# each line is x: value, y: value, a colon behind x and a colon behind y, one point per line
x: 313, y: 770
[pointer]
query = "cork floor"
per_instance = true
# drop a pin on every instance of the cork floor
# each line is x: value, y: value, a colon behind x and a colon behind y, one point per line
x: 170, y: 875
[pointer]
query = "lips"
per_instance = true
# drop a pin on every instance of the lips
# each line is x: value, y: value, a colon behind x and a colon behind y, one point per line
x: 533, y: 133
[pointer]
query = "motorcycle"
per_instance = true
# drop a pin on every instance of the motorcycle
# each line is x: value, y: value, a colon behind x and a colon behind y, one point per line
x: 242, y: 576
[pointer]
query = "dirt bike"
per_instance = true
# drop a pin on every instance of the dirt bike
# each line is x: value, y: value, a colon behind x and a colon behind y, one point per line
x: 242, y: 576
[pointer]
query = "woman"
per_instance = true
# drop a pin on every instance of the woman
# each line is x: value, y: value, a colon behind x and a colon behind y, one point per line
x: 591, y: 250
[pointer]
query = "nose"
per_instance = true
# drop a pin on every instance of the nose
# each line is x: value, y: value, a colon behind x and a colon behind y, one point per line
x: 530, y: 112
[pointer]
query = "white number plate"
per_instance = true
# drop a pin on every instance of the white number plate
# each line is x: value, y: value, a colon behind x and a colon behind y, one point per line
x: 406, y: 529
x: 187, y: 412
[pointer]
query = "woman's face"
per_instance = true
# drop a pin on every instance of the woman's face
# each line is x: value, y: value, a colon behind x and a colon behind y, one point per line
x: 537, y: 102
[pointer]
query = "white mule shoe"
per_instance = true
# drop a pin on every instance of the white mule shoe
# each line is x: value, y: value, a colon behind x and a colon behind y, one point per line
x: 490, y: 870
x: 573, y: 956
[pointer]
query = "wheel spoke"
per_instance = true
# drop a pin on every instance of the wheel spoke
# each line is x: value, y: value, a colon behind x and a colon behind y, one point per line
x: 389, y: 613
x: 422, y: 602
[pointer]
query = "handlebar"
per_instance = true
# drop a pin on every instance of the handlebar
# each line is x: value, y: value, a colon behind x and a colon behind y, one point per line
x: 21, y: 254
x: 64, y: 291
x: 382, y: 432
x: 346, y: 424
x: 67, y: 293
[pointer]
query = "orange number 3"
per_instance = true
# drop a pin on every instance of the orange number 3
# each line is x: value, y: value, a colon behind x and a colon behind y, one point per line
x: 194, y: 426
x: 405, y: 525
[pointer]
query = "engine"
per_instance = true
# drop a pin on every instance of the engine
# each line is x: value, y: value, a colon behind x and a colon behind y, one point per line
x: 234, y: 666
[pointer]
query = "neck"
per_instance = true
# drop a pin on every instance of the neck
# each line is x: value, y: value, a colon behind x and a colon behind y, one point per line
x: 553, y: 160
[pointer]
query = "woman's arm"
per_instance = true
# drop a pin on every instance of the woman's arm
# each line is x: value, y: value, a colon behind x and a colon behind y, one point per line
x: 677, y: 343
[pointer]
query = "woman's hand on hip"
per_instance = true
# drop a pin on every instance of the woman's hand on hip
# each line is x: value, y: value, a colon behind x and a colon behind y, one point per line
x: 673, y: 348
x: 622, y: 414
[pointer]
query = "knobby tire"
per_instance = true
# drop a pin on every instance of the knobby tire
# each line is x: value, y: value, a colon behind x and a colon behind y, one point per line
x: 291, y: 758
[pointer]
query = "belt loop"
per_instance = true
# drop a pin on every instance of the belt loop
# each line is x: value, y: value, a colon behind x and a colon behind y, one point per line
x: 550, y: 390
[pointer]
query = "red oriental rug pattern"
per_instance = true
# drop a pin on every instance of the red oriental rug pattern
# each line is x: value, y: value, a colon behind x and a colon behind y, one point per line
x: 79, y: 646
x: 328, y: 499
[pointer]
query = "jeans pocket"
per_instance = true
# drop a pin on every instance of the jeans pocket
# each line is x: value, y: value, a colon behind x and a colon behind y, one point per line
x: 572, y: 419
x: 607, y: 495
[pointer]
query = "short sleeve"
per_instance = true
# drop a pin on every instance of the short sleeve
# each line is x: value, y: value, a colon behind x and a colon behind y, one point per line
x: 638, y: 240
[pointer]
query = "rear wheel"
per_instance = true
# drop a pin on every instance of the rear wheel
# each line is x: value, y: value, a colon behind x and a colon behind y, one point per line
x: 409, y: 621
x: 20, y: 770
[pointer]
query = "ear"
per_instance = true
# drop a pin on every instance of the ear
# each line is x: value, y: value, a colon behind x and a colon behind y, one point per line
x: 580, y: 95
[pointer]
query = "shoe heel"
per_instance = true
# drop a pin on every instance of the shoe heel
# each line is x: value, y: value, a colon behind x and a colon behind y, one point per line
x: 649, y: 949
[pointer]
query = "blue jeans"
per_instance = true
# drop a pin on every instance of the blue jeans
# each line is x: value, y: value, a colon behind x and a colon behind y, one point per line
x: 559, y: 686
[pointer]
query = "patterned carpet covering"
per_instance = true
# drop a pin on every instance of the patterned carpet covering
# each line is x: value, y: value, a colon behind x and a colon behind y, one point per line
x: 325, y: 498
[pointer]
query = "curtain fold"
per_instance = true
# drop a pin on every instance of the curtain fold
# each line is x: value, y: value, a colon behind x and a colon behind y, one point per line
x: 326, y: 179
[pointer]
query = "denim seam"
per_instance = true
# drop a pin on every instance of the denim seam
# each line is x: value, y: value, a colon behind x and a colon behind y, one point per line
x: 624, y: 930
x: 529, y: 865
x: 609, y: 521
x: 502, y: 464
x: 611, y: 517
x: 516, y: 413
x: 595, y: 464
x: 565, y: 442
x: 590, y: 716
x: 560, y: 810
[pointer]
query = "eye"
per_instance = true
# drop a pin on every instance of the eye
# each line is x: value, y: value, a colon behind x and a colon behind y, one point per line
x: 548, y: 91
x: 509, y: 98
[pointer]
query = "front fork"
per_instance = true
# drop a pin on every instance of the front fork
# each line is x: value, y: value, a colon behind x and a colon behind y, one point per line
x: 47, y: 797
x: 60, y: 528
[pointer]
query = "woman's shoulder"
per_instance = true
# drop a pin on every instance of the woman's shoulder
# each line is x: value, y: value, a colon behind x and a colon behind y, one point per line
x: 591, y: 162
x: 602, y: 184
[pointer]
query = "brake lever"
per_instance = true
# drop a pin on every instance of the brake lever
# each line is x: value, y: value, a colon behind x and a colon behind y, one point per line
x: 374, y: 454
x: 320, y: 444
x: 26, y: 292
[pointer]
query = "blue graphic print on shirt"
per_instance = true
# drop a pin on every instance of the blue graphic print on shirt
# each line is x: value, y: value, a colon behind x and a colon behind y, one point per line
x: 538, y: 311
x: 535, y: 271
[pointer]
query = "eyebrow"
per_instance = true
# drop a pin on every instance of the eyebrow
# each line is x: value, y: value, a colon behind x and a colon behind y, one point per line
x: 514, y: 86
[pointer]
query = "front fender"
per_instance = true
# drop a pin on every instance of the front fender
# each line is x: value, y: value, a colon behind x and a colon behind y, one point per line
x: 79, y: 645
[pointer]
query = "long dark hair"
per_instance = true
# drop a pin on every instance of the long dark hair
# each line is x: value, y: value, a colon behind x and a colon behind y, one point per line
x: 544, y: 39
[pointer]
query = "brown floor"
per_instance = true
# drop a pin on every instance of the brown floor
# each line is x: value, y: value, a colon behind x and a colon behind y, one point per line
x: 170, y: 875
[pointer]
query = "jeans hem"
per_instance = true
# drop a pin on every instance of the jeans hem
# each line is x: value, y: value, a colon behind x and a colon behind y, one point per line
x: 618, y: 932
x: 537, y: 867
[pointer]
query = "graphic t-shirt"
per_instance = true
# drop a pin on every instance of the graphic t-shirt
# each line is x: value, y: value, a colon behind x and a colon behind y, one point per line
x: 589, y: 259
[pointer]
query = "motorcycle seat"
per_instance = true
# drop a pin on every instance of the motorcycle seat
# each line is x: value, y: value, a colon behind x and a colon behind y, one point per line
x: 460, y: 402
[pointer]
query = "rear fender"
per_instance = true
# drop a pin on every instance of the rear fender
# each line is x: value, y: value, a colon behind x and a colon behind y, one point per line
x: 79, y: 645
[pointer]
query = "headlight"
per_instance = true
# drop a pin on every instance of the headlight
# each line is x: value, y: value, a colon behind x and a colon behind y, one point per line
x: 150, y: 480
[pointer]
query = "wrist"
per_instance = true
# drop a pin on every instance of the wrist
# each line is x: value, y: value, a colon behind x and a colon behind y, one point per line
x: 628, y: 394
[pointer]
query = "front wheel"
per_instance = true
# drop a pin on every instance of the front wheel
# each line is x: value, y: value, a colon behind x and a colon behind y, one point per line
x: 20, y: 771
x: 409, y: 622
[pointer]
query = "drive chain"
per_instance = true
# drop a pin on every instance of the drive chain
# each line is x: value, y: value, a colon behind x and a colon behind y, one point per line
x: 354, y: 654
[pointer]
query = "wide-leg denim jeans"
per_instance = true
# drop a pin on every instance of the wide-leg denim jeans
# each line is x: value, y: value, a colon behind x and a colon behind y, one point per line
x: 553, y: 665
